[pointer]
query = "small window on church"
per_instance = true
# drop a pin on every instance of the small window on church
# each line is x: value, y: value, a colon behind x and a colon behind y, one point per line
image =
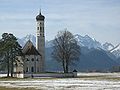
x: 37, y: 59
x: 27, y: 59
x: 27, y: 69
x: 38, y: 69
x: 37, y: 28
x: 32, y: 59
x: 32, y: 69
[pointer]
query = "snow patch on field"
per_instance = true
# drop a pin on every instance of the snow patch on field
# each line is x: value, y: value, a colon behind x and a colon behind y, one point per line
x: 60, y: 84
x: 68, y: 83
x: 100, y: 74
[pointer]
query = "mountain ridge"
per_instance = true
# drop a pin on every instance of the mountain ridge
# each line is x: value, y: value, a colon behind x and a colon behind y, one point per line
x: 85, y: 41
x: 94, y: 55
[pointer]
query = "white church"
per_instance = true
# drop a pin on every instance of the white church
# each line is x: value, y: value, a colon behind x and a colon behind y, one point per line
x: 32, y: 62
x: 33, y: 58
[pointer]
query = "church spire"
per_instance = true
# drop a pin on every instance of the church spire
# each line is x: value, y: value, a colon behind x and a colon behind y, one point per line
x: 40, y: 12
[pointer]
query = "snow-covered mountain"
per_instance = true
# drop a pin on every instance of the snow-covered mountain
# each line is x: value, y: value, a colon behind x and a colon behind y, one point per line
x: 23, y: 40
x: 49, y: 43
x: 116, y: 51
x: 32, y: 38
x: 108, y: 46
x: 94, y: 55
x: 85, y: 41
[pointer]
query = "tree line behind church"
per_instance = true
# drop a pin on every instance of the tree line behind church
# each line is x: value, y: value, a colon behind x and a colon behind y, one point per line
x: 65, y: 51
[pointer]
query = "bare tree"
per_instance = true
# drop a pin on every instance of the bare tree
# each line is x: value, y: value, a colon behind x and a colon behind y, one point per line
x: 66, y: 49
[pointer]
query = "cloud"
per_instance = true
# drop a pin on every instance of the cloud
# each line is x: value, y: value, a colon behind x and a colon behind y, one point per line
x: 92, y: 17
x: 15, y: 17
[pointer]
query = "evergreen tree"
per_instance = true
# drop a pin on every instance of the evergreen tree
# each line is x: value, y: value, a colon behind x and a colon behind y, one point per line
x: 9, y: 48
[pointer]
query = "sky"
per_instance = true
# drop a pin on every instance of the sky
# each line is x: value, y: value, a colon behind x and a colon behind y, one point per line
x: 100, y: 19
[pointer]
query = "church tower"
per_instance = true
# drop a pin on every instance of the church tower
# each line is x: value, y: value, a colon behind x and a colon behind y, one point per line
x: 40, y: 39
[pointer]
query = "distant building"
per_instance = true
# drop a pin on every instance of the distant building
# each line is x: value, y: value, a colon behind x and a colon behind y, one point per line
x: 33, y: 58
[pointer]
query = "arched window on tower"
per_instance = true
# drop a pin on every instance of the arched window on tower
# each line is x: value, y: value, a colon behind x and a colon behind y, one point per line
x: 40, y: 29
x: 37, y: 28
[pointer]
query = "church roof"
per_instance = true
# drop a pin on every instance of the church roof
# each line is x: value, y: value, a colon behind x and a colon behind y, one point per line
x: 29, y: 49
x: 40, y: 17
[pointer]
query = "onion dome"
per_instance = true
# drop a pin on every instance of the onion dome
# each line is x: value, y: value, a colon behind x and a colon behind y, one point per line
x: 40, y: 17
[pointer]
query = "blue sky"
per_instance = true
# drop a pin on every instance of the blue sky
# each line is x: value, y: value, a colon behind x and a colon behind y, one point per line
x: 100, y: 19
